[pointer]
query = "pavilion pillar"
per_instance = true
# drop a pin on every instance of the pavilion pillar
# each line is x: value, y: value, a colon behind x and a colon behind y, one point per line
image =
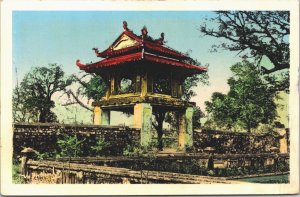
x: 185, y: 136
x: 144, y: 85
x: 101, y: 117
x: 142, y: 119
x: 97, y: 115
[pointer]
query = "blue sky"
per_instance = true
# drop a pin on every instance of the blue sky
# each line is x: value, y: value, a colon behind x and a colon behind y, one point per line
x: 42, y: 37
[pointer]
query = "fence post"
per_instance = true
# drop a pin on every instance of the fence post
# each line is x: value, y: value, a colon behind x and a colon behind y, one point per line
x: 210, y: 162
x: 27, y: 154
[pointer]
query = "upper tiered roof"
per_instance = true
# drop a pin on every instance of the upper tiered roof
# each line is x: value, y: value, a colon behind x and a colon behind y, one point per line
x: 129, y: 47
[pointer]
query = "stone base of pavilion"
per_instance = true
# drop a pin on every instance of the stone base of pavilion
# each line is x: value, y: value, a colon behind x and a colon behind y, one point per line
x: 142, y: 109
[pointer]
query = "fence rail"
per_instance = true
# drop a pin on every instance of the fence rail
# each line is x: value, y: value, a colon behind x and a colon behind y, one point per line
x: 72, y: 173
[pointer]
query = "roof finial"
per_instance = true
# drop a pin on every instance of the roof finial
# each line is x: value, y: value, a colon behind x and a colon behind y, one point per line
x: 125, y: 26
x: 162, y: 37
x: 144, y: 31
x: 96, y: 51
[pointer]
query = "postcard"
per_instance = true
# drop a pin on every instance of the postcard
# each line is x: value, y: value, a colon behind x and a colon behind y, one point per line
x: 149, y: 97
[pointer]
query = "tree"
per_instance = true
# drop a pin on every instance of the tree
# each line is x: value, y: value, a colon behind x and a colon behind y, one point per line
x: 260, y: 32
x: 198, y: 114
x: 91, y: 87
x: 21, y: 111
x: 221, y: 110
x: 69, y: 145
x: 32, y: 100
x: 257, y: 34
x: 249, y: 102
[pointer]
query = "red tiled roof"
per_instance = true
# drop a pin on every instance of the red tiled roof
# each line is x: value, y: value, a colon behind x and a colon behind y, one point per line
x: 114, y: 61
x: 109, y: 53
x: 161, y: 48
x: 111, y: 61
x: 143, y: 43
x: 163, y: 60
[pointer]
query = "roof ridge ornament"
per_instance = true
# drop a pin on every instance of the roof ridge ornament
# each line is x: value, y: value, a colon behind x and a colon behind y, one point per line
x: 144, y: 31
x: 96, y: 51
x: 161, y: 39
x: 125, y: 26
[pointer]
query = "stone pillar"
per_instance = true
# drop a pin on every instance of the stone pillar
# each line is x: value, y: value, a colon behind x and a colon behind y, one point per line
x: 108, y: 90
x: 283, y: 146
x: 185, y: 136
x: 142, y: 119
x: 97, y: 115
x: 144, y: 85
x: 182, y: 130
x: 101, y: 117
x: 105, y: 117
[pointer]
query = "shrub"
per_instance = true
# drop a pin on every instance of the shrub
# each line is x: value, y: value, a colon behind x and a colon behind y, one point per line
x: 17, y: 178
x: 42, y: 156
x: 211, y: 173
x: 69, y: 146
x: 100, y: 148
x: 133, y: 151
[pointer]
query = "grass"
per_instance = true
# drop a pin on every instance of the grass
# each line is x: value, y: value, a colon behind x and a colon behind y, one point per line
x: 268, y: 179
x: 16, y: 174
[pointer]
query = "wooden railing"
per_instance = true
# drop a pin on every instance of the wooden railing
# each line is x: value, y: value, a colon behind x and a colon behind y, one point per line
x: 73, y: 173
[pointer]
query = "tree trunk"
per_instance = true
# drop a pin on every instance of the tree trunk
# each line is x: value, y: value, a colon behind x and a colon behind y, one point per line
x: 159, y: 135
x: 159, y: 116
x: 249, y: 128
x: 42, y: 117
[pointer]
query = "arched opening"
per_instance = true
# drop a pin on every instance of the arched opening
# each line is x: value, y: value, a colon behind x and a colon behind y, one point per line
x: 162, y: 84
x: 126, y: 85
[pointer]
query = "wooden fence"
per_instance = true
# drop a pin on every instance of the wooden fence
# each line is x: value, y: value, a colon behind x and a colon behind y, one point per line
x: 97, y: 170
x: 218, y: 160
x: 73, y: 173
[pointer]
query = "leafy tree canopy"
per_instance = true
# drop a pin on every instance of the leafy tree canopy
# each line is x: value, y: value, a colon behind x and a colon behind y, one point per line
x: 90, y: 87
x: 249, y: 102
x: 256, y: 34
x: 260, y: 32
x: 32, y: 99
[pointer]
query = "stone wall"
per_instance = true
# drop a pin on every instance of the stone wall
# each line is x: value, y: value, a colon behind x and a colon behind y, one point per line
x: 235, y: 143
x: 43, y: 137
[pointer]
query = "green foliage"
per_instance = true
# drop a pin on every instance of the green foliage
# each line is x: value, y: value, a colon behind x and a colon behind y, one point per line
x: 254, y: 33
x: 249, y: 102
x: 193, y: 81
x: 17, y: 178
x: 100, y: 147
x: 94, y: 88
x: 198, y: 114
x: 45, y: 155
x: 69, y: 146
x: 90, y: 86
x: 32, y: 99
x: 210, y: 173
x: 133, y: 151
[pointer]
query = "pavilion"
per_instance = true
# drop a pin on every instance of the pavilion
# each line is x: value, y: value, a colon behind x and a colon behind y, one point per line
x: 143, y: 77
